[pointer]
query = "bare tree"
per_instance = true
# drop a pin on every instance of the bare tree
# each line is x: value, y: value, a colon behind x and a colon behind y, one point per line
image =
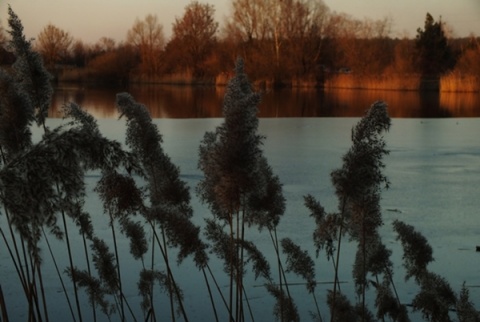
x: 247, y: 21
x: 303, y: 27
x: 106, y: 44
x: 257, y: 24
x: 470, y: 56
x: 114, y: 65
x: 247, y: 28
x: 374, y: 48
x: 54, y: 44
x: 148, y: 37
x: 196, y: 32
x: 360, y: 45
x: 288, y: 31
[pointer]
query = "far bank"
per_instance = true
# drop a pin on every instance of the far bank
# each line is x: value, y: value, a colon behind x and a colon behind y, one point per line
x: 452, y: 82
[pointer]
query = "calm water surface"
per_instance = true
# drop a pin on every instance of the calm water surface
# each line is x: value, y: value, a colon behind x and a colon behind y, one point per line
x: 166, y: 101
x: 433, y: 167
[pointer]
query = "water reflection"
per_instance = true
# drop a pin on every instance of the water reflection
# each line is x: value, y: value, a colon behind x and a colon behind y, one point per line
x: 206, y: 102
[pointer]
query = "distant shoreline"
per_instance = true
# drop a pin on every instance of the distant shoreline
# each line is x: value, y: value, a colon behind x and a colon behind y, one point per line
x: 399, y: 82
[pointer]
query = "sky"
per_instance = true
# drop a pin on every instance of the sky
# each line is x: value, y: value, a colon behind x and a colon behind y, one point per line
x: 90, y: 20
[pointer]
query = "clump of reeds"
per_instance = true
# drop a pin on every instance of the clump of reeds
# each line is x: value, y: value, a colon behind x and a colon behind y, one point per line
x: 457, y: 82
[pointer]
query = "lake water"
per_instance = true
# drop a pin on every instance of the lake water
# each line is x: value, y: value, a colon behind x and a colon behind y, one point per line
x: 433, y: 167
x: 205, y: 102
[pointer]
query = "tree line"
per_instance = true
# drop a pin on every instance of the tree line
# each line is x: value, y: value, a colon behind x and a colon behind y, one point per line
x: 43, y: 192
x: 281, y: 42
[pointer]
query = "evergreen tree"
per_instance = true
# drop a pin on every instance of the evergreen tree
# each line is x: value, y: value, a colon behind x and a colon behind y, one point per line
x: 435, y: 55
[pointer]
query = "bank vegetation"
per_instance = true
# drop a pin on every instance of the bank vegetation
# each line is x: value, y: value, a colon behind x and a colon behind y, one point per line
x: 294, y: 43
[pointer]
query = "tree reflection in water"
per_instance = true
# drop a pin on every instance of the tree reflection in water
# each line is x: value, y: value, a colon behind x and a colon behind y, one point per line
x: 171, y: 101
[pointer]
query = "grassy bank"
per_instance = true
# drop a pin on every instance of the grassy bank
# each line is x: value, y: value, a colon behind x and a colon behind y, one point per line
x: 453, y: 82
x: 375, y: 82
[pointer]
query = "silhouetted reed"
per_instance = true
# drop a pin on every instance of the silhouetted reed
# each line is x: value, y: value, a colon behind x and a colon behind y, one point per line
x: 358, y: 188
x: 241, y: 190
x: 302, y: 264
x: 169, y: 209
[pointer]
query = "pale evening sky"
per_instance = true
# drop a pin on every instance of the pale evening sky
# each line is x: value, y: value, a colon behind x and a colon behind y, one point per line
x: 89, y: 20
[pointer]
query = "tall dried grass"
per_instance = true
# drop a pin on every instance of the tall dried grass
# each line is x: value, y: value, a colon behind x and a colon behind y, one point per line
x: 456, y: 82
x: 376, y: 82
